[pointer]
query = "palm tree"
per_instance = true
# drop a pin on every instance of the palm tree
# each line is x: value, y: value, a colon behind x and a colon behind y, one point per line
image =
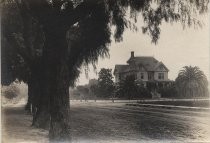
x: 192, y: 82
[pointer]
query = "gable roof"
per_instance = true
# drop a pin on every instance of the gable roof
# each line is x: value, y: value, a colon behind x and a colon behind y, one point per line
x: 149, y: 63
x: 159, y: 64
x: 120, y: 68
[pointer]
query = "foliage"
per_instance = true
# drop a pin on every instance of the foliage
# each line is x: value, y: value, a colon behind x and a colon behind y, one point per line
x: 22, y: 43
x: 143, y: 92
x: 130, y: 89
x: 127, y: 88
x: 74, y: 93
x: 168, y: 91
x: 94, y: 91
x: 192, y: 82
x: 11, y: 91
x: 83, y: 90
x: 151, y: 86
x: 105, y: 83
x: 83, y: 21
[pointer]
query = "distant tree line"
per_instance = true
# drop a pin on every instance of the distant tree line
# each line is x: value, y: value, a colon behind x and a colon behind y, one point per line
x: 102, y: 88
x: 191, y: 82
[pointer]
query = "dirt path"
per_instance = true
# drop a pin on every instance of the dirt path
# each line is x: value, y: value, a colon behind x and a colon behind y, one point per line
x: 16, y: 127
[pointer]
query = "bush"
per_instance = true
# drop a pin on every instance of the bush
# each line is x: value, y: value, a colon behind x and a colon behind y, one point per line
x: 128, y: 89
x: 11, y: 91
x: 143, y: 93
x: 168, y: 92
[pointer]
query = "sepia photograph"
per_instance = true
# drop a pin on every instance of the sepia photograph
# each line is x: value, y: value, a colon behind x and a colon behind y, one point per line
x: 105, y: 71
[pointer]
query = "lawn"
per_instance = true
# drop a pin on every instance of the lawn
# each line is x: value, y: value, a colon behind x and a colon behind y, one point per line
x: 192, y: 103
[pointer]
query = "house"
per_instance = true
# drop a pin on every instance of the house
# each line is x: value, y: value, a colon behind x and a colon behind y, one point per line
x: 145, y: 69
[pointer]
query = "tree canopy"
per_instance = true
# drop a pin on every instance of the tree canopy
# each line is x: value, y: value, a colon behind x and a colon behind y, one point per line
x: 24, y: 22
x: 105, y: 83
x: 128, y: 88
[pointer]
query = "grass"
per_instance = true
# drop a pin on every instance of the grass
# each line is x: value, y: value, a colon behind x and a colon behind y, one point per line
x: 194, y: 103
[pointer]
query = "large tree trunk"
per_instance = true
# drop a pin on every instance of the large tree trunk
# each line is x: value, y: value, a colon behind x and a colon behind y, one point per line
x: 41, y: 115
x: 39, y: 100
x: 28, y: 106
x: 60, y: 106
x: 33, y: 93
x: 57, y: 86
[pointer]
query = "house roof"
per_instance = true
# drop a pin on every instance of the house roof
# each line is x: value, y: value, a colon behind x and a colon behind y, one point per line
x: 161, y: 63
x: 120, y: 68
x: 149, y: 64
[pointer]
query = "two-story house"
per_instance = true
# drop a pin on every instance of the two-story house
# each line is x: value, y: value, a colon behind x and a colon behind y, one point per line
x: 145, y: 69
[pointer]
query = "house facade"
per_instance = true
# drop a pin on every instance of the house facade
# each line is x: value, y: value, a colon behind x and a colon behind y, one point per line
x: 144, y: 69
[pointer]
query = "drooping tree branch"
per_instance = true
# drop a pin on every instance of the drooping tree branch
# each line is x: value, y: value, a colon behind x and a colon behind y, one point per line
x: 16, y: 43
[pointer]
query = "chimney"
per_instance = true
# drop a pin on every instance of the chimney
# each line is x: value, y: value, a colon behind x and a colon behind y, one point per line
x: 132, y: 54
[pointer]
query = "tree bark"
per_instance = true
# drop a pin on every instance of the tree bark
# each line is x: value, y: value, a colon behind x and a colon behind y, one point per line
x: 60, y: 107
x: 28, y: 106
x: 39, y: 100
x: 41, y: 115
x: 57, y: 85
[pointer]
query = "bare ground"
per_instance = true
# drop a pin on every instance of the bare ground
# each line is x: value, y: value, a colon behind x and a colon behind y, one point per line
x: 16, y: 126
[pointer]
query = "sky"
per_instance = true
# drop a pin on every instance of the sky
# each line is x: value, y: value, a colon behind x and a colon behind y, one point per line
x: 177, y: 47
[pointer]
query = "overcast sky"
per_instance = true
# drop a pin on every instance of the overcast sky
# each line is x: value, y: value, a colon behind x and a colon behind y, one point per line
x: 176, y: 48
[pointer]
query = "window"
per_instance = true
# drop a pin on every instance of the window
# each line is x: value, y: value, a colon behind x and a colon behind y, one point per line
x: 160, y: 75
x: 120, y: 76
x: 141, y: 68
x: 134, y: 76
x: 142, y: 75
x: 149, y: 76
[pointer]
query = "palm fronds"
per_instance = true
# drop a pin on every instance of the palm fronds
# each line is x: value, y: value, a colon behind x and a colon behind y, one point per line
x: 191, y: 81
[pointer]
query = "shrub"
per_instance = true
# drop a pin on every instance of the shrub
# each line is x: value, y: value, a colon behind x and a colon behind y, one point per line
x: 168, y: 92
x: 11, y: 91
